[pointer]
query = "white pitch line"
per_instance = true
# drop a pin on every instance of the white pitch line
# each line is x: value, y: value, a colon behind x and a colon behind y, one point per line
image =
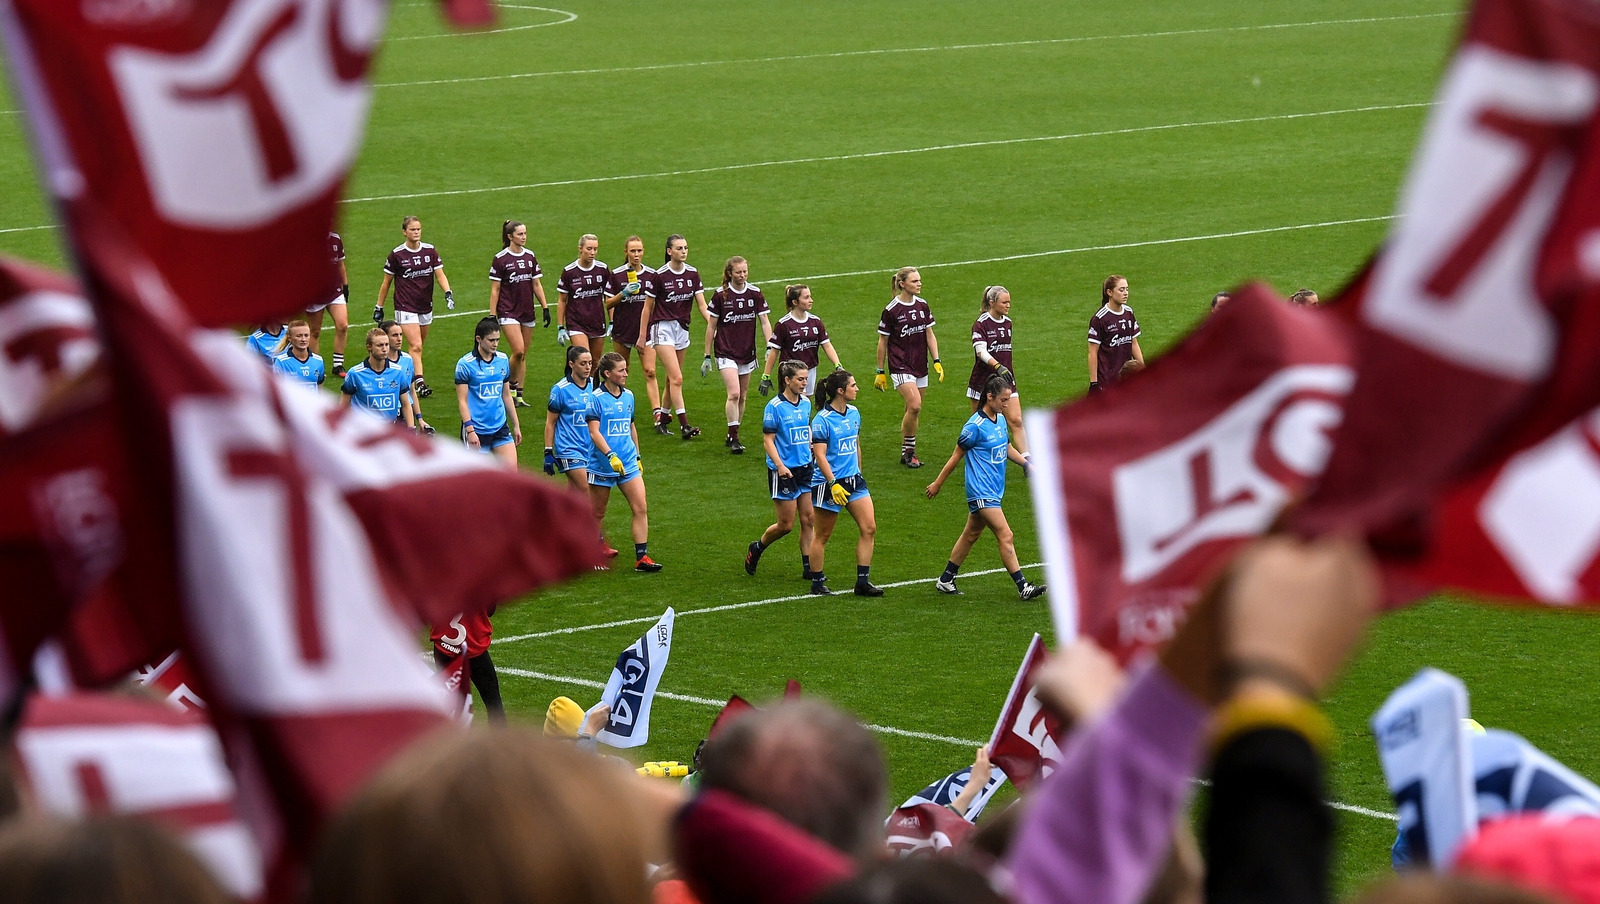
x: 1035, y: 254
x: 29, y: 228
x: 897, y: 152
x: 694, y: 64
x: 727, y: 607
x: 570, y: 17
x: 1348, y: 808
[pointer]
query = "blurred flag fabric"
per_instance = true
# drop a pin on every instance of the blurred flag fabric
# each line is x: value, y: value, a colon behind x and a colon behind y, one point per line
x: 925, y: 829
x: 631, y: 689
x: 1023, y: 745
x: 1144, y: 491
x: 944, y: 792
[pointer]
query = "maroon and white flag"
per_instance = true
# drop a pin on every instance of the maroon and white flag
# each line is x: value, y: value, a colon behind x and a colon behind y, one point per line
x: 925, y: 829
x: 1479, y: 308
x: 1023, y: 744
x: 1142, y: 492
x: 94, y: 754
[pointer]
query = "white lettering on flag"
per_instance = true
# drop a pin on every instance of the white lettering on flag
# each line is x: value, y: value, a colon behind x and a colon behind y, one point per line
x: 632, y: 687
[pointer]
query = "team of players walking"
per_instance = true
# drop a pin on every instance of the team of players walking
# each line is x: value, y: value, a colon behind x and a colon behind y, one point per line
x: 810, y: 429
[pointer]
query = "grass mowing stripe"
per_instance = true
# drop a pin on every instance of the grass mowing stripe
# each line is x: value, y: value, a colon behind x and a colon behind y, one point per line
x: 707, y: 701
x: 1267, y: 230
x: 991, y: 45
x: 898, y: 152
x: 728, y: 607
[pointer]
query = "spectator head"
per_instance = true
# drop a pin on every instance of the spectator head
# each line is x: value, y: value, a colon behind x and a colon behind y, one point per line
x: 492, y: 817
x: 562, y: 718
x: 100, y: 861
x: 913, y: 880
x: 809, y: 763
x: 1130, y: 366
x: 1304, y: 298
x: 1219, y: 299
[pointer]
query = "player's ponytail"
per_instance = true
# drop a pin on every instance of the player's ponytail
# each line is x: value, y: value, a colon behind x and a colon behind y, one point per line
x: 666, y: 255
x: 993, y: 386
x: 829, y: 387
x: 791, y: 294
x: 609, y: 362
x: 574, y: 352
x: 1107, y: 286
x: 506, y: 229
x: 990, y: 295
x: 900, y: 278
x: 283, y: 341
x: 789, y: 368
x: 727, y: 270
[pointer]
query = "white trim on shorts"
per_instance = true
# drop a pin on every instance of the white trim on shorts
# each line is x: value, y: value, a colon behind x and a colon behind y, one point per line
x: 730, y: 364
x: 669, y: 332
x: 512, y: 321
x: 899, y: 379
x: 406, y: 317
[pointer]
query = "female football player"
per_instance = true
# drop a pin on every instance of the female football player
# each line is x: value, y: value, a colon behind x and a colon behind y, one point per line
x: 566, y: 427
x: 905, y: 340
x: 799, y: 336
x: 295, y: 357
x: 483, y: 396
x: 376, y: 384
x: 513, y: 285
x: 836, y: 446
x: 1113, y: 335
x: 400, y: 359
x: 991, y: 349
x: 614, y: 455
x: 786, y: 434
x: 338, y: 307
x: 266, y: 339
x: 581, y: 298
x: 731, y: 340
x: 625, y: 302
x: 666, y: 330
x: 985, y: 443
x: 412, y: 268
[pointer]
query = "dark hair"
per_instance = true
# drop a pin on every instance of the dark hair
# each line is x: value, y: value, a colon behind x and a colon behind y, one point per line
x: 1302, y: 296
x: 791, y: 294
x: 98, y: 860
x: 993, y: 386
x: 666, y: 255
x: 727, y: 270
x: 991, y: 294
x: 485, y: 326
x: 387, y: 325
x: 1217, y: 299
x: 810, y: 764
x: 609, y: 362
x: 830, y: 386
x: 574, y: 352
x: 899, y: 278
x: 789, y: 368
x: 1108, y: 285
x: 506, y: 228
x: 407, y: 221
x: 913, y: 880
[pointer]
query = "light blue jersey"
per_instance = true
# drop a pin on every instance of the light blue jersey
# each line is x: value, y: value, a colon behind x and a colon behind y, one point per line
x: 790, y: 426
x: 308, y: 371
x: 376, y: 390
x: 614, y: 414
x: 264, y: 344
x: 842, y: 433
x: 569, y: 402
x: 407, y: 367
x: 985, y: 441
x: 486, y: 384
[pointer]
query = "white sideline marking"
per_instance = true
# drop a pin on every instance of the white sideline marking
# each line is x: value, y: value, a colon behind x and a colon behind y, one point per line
x: 728, y: 607
x: 898, y: 152
x: 1348, y: 808
x: 1229, y: 29
x: 30, y: 228
x: 1032, y: 254
x: 570, y: 17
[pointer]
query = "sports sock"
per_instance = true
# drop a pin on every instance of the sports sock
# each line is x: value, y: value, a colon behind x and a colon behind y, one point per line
x: 818, y: 580
x: 761, y: 546
x: 640, y: 550
x: 950, y: 569
x: 1016, y: 578
x: 484, y: 678
x: 863, y: 574
x: 805, y: 562
x: 338, y: 360
x: 683, y: 418
x: 908, y: 446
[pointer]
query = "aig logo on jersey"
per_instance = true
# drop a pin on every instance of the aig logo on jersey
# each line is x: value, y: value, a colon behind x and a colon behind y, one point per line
x: 1232, y: 476
x: 490, y: 390
x: 847, y: 446
x: 800, y: 435
x: 619, y: 428
x: 276, y: 98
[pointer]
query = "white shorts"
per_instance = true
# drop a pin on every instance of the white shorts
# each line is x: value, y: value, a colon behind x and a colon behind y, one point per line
x: 404, y: 317
x: 512, y: 321
x: 669, y: 332
x: 811, y: 380
x: 899, y: 380
x: 338, y: 298
x: 977, y: 396
x: 730, y: 364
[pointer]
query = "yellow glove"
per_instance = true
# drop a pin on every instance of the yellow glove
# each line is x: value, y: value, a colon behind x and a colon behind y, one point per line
x: 938, y: 369
x: 616, y: 463
x: 881, y: 382
x: 639, y: 463
x: 839, y: 493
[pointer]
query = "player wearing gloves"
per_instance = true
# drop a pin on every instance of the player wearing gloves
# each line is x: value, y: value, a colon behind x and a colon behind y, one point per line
x: 731, y: 320
x: 836, y: 447
x: 798, y: 336
x: 566, y: 427
x: 991, y: 348
x: 514, y: 276
x: 614, y: 455
x: 412, y: 268
x: 985, y: 443
x: 581, y: 298
x: 625, y: 303
x: 786, y: 434
x: 398, y: 358
x: 338, y: 307
x: 1113, y: 335
x: 483, y: 396
x: 671, y: 296
x: 905, y: 340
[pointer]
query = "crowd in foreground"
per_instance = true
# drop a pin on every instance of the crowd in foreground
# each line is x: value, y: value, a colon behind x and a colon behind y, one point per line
x: 789, y: 800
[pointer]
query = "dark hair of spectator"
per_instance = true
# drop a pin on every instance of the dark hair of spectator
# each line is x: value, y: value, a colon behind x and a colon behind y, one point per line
x: 100, y: 861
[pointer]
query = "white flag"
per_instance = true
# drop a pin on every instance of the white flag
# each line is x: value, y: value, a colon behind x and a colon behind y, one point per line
x: 1428, y: 765
x: 632, y: 687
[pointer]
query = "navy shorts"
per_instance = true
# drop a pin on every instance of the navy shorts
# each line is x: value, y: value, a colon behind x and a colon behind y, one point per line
x: 797, y: 484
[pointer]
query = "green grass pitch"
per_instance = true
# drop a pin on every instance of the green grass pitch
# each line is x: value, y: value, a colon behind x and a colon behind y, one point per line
x: 1186, y: 145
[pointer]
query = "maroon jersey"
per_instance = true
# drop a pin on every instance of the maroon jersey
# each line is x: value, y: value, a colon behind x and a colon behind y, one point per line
x: 995, y: 337
x: 413, y: 277
x: 516, y: 273
x: 625, y: 316
x: 674, y: 294
x: 336, y: 254
x: 1114, y: 333
x: 585, y: 288
x: 799, y: 340
x: 906, y: 324
x: 736, y: 314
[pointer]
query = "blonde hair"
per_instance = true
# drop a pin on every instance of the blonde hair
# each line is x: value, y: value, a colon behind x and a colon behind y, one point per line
x: 283, y: 341
x: 900, y: 278
x: 991, y: 294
